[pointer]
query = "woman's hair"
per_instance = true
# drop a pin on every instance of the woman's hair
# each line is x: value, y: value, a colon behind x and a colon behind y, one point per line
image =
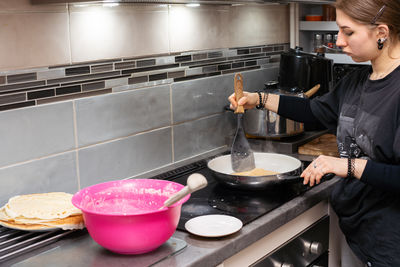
x: 374, y: 12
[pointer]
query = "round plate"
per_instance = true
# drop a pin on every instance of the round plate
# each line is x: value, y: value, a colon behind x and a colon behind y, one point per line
x: 15, y: 227
x: 214, y: 225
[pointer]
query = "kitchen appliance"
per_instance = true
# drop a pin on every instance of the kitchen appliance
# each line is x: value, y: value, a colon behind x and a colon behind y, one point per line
x: 124, y: 216
x: 287, y: 168
x: 298, y: 73
x: 309, y: 249
x: 265, y: 123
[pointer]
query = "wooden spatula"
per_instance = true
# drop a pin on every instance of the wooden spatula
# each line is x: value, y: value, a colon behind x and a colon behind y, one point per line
x: 242, y: 156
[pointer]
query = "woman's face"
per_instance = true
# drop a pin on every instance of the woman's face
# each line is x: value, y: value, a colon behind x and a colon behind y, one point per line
x: 357, y: 40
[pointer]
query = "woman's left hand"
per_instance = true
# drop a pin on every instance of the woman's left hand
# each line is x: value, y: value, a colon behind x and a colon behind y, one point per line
x: 323, y: 165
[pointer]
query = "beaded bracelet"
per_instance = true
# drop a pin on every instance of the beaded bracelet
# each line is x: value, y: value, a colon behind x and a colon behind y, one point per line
x: 350, y: 167
x: 260, y: 102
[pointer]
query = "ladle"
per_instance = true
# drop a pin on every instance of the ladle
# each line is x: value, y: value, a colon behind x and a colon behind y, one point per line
x: 194, y: 182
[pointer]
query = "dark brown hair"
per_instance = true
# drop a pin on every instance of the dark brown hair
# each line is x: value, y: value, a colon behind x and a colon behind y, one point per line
x: 370, y: 12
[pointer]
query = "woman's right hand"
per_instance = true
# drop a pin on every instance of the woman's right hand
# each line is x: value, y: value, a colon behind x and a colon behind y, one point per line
x: 248, y: 101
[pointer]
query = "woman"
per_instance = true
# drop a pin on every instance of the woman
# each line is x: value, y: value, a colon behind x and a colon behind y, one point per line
x: 364, y: 110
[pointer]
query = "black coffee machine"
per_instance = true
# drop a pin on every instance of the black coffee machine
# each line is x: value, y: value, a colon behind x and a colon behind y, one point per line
x: 300, y: 71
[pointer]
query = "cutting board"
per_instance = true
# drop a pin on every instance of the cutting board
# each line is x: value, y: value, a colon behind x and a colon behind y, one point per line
x: 323, y: 145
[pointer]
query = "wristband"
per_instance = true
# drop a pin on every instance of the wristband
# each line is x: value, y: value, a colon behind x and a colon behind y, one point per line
x: 350, y: 167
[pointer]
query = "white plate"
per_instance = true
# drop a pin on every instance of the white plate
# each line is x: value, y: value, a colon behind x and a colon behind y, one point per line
x: 214, y: 225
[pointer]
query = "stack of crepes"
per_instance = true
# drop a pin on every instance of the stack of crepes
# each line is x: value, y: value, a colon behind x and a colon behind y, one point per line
x: 41, y: 212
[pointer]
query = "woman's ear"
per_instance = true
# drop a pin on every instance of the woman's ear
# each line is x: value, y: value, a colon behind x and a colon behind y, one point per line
x: 382, y: 31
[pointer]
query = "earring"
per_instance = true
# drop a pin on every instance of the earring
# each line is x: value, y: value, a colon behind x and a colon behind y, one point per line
x: 380, y: 43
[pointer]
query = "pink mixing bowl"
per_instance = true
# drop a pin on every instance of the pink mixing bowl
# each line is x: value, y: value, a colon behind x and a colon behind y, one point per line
x: 125, y: 217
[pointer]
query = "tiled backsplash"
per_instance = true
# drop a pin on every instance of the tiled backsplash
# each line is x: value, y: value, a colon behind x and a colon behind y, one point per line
x: 98, y: 121
x: 40, y: 86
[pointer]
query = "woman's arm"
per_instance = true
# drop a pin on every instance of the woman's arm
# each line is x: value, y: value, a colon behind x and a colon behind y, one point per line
x: 380, y: 175
x: 327, y: 164
x: 251, y: 100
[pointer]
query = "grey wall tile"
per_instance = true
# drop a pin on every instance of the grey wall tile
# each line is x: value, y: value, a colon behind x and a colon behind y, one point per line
x: 36, y: 132
x: 254, y: 80
x: 200, y: 136
x: 57, y: 173
x: 121, y: 114
x: 202, y: 97
x: 125, y: 157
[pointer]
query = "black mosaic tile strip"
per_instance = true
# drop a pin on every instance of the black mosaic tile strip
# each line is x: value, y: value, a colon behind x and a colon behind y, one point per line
x: 183, y: 58
x: 176, y: 74
x: 17, y: 105
x: 237, y: 65
x: 243, y: 51
x: 251, y: 63
x: 11, y: 87
x: 102, y: 68
x: 89, y: 78
x: 73, y: 96
x: 24, y: 77
x: 224, y: 66
x: 146, y: 63
x: 215, y: 54
x: 160, y: 76
x: 93, y: 86
x: 247, y: 56
x: 268, y: 49
x: 68, y: 90
x: 94, y: 62
x: 192, y: 77
x: 95, y: 80
x: 202, y: 62
x: 30, y: 89
x: 41, y: 94
x: 77, y: 71
x: 240, y: 69
x: 12, y: 98
x: 255, y: 50
x: 140, y: 79
x: 160, y: 67
x: 84, y: 77
x: 199, y: 56
x: 125, y: 65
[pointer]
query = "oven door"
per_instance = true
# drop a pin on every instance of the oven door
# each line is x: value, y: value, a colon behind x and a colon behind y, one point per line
x: 310, y: 248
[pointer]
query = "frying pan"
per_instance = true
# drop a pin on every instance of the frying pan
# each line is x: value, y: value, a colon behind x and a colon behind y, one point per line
x: 287, y: 167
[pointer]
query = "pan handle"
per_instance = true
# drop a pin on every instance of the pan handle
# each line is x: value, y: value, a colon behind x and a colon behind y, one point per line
x: 327, y: 176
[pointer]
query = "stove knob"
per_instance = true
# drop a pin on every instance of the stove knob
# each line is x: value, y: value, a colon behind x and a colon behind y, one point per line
x: 316, y: 248
x: 313, y: 247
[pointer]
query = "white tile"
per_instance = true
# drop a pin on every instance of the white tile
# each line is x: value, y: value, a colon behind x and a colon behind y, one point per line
x: 44, y: 42
x: 110, y: 32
